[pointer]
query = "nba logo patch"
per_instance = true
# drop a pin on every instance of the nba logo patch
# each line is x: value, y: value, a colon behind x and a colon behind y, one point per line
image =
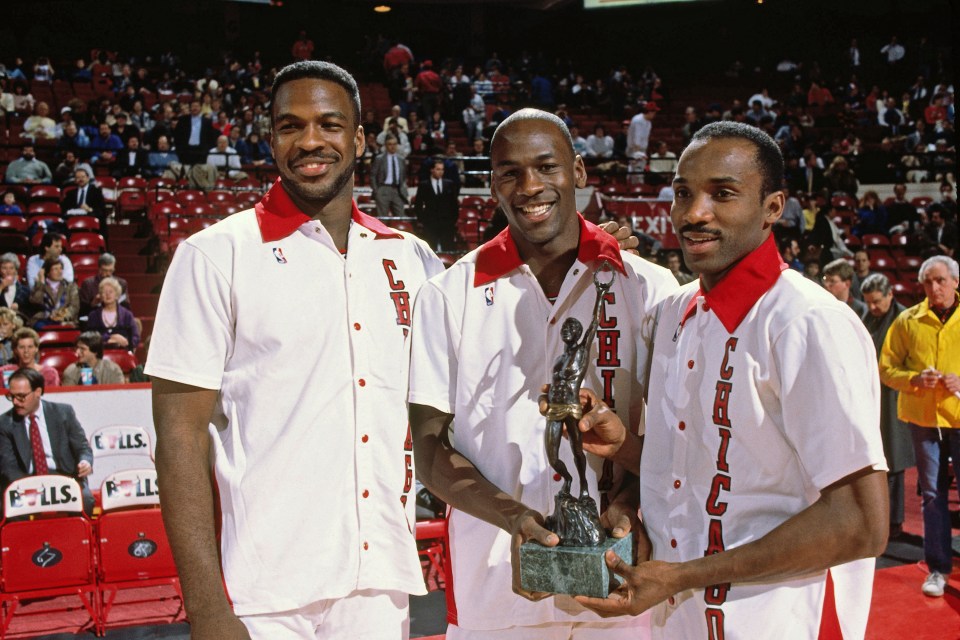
x: 278, y: 254
x: 488, y: 296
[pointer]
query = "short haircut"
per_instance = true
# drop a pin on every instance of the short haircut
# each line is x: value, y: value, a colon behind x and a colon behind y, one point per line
x: 111, y: 282
x: 785, y: 243
x: 948, y: 262
x: 93, y: 341
x: 12, y: 258
x: 24, y: 334
x: 839, y: 267
x: 876, y: 282
x: 106, y: 259
x: 49, y: 238
x: 11, y: 316
x: 51, y: 263
x: 34, y: 377
x: 319, y: 70
x: 769, y: 158
x: 534, y: 114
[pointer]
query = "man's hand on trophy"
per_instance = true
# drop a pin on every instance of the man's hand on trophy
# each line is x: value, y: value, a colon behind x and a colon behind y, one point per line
x: 603, y: 432
x: 623, y: 235
x: 528, y: 527
x: 644, y: 585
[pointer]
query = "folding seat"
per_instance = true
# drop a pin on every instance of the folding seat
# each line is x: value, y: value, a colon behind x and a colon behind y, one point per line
x: 473, y: 202
x: 85, y: 242
x: 43, y: 207
x: 46, y: 547
x: 131, y: 202
x: 84, y: 261
x: 58, y: 338
x: 875, y: 240
x: 58, y: 358
x: 190, y: 196
x: 133, y: 549
x: 221, y: 197
x: 123, y: 358
x: 136, y: 184
x: 843, y: 203
x: 83, y: 223
x: 45, y: 193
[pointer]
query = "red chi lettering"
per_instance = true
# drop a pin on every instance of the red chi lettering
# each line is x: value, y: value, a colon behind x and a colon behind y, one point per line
x: 714, y: 506
x: 608, y: 375
x: 389, y: 266
x: 714, y: 624
x: 401, y: 302
x: 726, y: 371
x: 605, y: 322
x: 721, y: 401
x: 609, y: 343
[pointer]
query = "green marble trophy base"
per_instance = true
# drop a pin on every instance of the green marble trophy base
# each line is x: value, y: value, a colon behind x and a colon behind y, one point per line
x: 580, y: 571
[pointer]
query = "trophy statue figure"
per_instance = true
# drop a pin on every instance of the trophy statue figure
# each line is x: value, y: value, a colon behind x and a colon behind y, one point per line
x: 575, y: 520
x: 576, y: 565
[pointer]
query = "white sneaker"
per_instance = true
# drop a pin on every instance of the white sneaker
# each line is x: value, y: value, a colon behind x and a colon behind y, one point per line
x: 934, y: 584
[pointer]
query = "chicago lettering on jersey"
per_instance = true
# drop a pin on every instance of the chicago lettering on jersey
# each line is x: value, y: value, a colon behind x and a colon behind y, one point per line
x: 715, y: 595
x: 608, y: 359
x: 408, y: 465
x: 399, y: 295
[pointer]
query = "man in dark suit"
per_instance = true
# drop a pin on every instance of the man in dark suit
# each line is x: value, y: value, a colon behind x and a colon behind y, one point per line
x: 131, y: 162
x: 39, y: 437
x: 437, y: 207
x: 86, y: 200
x: 388, y: 180
x: 194, y: 136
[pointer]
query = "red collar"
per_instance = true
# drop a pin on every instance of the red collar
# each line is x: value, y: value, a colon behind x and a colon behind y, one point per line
x: 500, y: 256
x: 278, y: 217
x: 733, y: 297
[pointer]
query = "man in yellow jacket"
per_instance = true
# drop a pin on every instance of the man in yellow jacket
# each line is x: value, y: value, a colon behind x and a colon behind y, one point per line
x: 921, y: 360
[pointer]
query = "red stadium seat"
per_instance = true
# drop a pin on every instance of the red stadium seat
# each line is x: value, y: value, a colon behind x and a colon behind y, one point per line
x: 123, y: 359
x: 199, y: 209
x: 58, y: 338
x: 44, y: 207
x: 843, y: 203
x: 85, y: 242
x: 13, y: 224
x: 432, y: 541
x: 221, y: 197
x: 909, y: 265
x: 119, y: 447
x: 131, y: 202
x: 921, y: 201
x: 160, y: 183
x: 133, y: 549
x: 247, y: 199
x: 83, y: 223
x: 45, y: 193
x: 138, y: 184
x: 84, y: 261
x: 49, y: 556
x: 59, y: 359
x: 474, y: 202
x: 875, y: 240
x: 190, y: 196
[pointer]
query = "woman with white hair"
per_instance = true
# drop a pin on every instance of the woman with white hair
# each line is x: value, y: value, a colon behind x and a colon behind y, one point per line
x: 14, y: 294
x: 113, y: 322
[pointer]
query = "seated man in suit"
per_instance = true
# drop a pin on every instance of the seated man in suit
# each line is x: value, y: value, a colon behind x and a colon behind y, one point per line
x: 437, y: 208
x: 39, y: 437
x: 132, y: 161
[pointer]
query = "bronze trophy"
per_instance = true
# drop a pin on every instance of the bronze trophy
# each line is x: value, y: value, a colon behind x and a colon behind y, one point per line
x: 576, y: 565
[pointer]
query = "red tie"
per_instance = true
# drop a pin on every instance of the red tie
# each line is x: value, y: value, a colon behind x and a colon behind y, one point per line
x: 39, y: 457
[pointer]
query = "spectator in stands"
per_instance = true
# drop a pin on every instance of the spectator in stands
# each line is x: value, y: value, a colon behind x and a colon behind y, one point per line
x: 26, y: 348
x: 132, y: 161
x: 818, y: 96
x: 57, y: 299
x: 841, y: 179
x: 302, y: 48
x: 10, y: 322
x: 51, y: 248
x: 861, y: 271
x: 23, y: 100
x: 429, y: 86
x: 790, y: 253
x: 40, y: 126
x: 86, y: 200
x: 388, y: 180
x: 254, y: 150
x: 64, y: 450
x: 662, y: 161
x: 73, y: 138
x: 792, y: 222
x: 902, y: 215
x: 579, y: 142
x: 90, y: 356
x: 27, y: 169
x: 638, y: 133
x: 837, y: 279
x: 90, y: 287
x: 114, y: 322
x: 947, y: 200
x: 810, y: 178
x: 226, y: 160
x: 105, y: 146
x: 476, y: 165
x: 892, y: 117
x: 9, y: 206
x: 160, y: 159
x: 124, y: 130
x: 691, y: 124
x: 396, y: 113
x: 871, y: 216
x: 438, y: 131
x: 893, y: 53
x: 921, y: 359
x: 140, y: 119
x: 675, y: 265
x: 14, y: 295
x: 393, y: 130
x: 194, y: 135
x: 757, y: 113
x: 437, y: 208
x: 66, y: 172
x: 599, y: 144
x: 882, y: 310
x: 940, y: 233
x: 473, y: 120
